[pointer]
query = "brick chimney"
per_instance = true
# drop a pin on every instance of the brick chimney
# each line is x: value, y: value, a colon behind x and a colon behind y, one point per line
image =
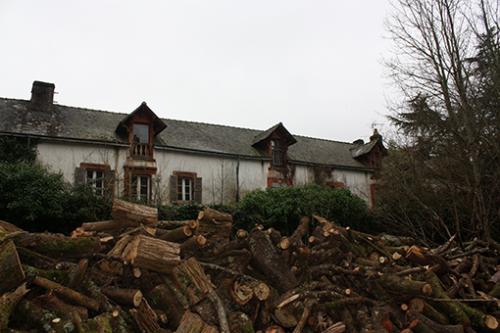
x: 42, y: 95
x: 375, y: 135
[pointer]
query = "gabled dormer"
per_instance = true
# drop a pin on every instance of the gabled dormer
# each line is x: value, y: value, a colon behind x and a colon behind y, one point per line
x: 139, y: 129
x: 371, y: 153
x: 274, y: 142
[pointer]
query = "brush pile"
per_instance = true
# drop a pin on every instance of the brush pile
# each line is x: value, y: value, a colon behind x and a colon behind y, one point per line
x: 137, y: 274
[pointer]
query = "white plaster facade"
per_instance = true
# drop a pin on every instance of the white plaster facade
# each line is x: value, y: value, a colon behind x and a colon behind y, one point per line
x: 221, y: 176
x: 148, y: 158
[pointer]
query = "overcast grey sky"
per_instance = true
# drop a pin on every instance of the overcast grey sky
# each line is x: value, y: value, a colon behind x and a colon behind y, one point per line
x: 315, y: 65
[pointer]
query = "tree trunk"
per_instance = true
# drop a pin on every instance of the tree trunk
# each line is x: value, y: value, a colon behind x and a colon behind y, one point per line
x: 177, y: 235
x: 145, y: 318
x: 57, y: 245
x: 11, y: 271
x: 147, y: 252
x: 164, y: 299
x: 70, y: 294
x: 102, y: 225
x: 60, y: 308
x: 30, y: 313
x: 192, y: 323
x: 268, y: 261
x: 193, y: 224
x: 130, y: 297
x: 192, y: 245
x: 132, y: 214
x: 212, y: 215
x: 8, y: 302
x: 192, y: 280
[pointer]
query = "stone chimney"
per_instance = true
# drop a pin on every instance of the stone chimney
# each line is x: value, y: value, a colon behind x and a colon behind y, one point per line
x: 42, y: 95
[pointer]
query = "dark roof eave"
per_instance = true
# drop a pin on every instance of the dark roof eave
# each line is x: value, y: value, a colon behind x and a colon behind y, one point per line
x: 335, y: 166
x: 183, y: 150
x: 66, y: 139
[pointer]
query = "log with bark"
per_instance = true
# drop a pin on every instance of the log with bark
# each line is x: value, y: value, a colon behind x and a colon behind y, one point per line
x: 68, y: 293
x: 57, y: 245
x: 11, y: 270
x: 147, y: 252
x: 134, y: 274
x: 8, y: 302
x: 192, y: 323
x: 268, y: 261
x: 132, y: 214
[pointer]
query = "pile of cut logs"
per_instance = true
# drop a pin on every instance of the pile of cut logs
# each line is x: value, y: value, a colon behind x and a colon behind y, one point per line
x: 137, y: 274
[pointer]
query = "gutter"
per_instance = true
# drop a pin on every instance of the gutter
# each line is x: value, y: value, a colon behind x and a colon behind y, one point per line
x: 183, y: 150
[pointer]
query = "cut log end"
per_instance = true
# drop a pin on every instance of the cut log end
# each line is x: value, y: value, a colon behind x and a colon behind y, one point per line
x: 284, y: 244
x: 241, y: 234
x: 490, y: 322
x: 262, y: 291
x: 417, y: 305
x: 427, y: 289
x: 201, y: 240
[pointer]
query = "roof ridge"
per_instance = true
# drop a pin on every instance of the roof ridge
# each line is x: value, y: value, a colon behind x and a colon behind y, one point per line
x: 92, y: 110
x: 322, y: 139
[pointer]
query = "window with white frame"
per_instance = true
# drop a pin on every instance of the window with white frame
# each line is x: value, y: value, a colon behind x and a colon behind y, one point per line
x: 95, y: 179
x: 184, y: 188
x: 140, y: 187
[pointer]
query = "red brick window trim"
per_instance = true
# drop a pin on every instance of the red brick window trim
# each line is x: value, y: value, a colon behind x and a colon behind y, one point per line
x: 185, y: 185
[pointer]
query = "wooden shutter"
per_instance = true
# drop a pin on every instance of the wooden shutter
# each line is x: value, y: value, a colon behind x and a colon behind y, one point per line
x: 109, y: 183
x: 173, y: 188
x: 197, y: 190
x: 80, y: 174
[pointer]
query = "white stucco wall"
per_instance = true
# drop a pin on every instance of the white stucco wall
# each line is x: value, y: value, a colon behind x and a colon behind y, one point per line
x: 218, y: 173
x: 303, y: 175
x: 358, y: 182
x: 63, y: 157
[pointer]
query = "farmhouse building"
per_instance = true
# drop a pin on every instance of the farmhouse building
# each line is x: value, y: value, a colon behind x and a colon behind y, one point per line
x: 142, y: 156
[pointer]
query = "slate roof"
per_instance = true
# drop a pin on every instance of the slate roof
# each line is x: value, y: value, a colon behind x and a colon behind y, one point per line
x: 361, y: 150
x: 265, y: 134
x: 67, y: 122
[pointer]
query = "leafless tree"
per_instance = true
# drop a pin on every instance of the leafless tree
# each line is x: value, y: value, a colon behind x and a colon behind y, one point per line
x: 446, y: 64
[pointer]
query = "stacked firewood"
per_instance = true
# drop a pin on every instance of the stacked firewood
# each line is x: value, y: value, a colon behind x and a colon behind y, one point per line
x: 137, y: 274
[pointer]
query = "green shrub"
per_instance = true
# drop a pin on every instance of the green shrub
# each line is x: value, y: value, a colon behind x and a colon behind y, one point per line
x: 281, y: 208
x: 179, y: 211
x: 189, y: 211
x: 83, y: 205
x: 14, y: 149
x: 36, y: 200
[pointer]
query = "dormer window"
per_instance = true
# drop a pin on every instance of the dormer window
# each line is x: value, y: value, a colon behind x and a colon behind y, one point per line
x: 140, y: 146
x: 274, y: 142
x: 139, y: 129
x: 140, y: 133
x: 277, y: 153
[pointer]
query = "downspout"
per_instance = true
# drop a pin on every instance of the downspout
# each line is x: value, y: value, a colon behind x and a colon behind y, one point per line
x: 222, y: 184
x: 238, y: 179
